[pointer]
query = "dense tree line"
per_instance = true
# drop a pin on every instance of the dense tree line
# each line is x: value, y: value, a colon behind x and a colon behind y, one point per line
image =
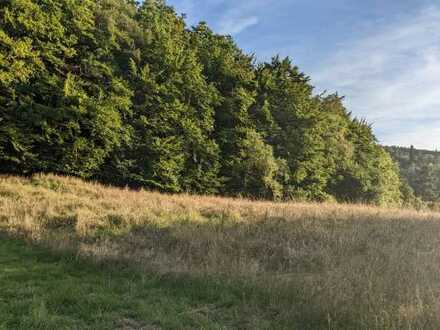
x: 421, y: 169
x: 128, y: 94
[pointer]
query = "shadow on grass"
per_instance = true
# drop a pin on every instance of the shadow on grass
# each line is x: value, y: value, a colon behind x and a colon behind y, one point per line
x: 43, y: 290
x: 355, y: 273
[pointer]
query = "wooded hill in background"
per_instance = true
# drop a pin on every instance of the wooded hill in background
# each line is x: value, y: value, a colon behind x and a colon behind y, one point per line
x: 127, y: 94
x: 421, y: 169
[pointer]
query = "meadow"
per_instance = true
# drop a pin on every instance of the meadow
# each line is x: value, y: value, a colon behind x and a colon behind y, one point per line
x: 92, y: 255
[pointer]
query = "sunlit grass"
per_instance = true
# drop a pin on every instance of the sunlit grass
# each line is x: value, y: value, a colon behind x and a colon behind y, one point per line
x: 315, y: 265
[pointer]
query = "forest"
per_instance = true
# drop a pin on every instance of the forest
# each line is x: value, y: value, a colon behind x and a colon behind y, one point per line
x: 421, y: 169
x: 129, y: 95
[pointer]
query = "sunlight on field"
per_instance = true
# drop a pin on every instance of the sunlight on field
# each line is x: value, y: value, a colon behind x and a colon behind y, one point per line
x: 326, y: 265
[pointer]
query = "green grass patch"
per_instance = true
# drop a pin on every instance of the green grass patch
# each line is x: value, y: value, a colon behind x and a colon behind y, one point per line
x: 43, y: 290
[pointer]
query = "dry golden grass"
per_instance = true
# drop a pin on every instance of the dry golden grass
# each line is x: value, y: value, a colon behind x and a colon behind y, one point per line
x: 342, y: 266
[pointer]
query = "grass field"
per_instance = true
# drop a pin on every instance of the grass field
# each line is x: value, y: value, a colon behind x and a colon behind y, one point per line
x: 43, y: 290
x: 107, y: 257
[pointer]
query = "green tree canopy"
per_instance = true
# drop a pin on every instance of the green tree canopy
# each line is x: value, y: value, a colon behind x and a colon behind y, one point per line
x: 126, y: 93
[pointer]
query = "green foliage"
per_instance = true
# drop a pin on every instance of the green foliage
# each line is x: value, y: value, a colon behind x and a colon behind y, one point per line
x: 126, y: 93
x: 61, y: 114
x: 171, y: 148
x: 420, y: 169
x: 372, y: 176
x: 230, y: 73
x: 255, y: 169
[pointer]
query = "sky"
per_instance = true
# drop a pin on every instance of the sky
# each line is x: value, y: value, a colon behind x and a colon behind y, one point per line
x: 382, y: 55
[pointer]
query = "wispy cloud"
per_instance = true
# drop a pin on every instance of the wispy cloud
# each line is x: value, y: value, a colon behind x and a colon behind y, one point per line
x: 387, y: 65
x: 391, y: 76
x: 227, y: 16
x: 236, y: 25
x: 240, y: 15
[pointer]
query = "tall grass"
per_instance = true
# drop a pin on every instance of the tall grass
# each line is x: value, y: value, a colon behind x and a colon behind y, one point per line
x: 322, y: 265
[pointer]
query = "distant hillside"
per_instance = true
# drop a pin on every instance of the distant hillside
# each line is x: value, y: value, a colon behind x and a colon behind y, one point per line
x: 420, y: 168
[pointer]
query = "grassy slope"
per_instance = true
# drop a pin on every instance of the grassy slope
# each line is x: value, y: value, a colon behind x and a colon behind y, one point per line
x: 306, y: 265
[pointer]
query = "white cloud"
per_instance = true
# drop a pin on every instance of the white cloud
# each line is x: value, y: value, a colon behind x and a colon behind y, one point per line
x: 236, y: 25
x: 391, y: 76
x: 240, y: 15
x: 425, y: 135
x: 228, y: 16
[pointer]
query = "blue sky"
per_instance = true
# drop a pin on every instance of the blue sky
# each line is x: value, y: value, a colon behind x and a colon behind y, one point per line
x: 383, y: 55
